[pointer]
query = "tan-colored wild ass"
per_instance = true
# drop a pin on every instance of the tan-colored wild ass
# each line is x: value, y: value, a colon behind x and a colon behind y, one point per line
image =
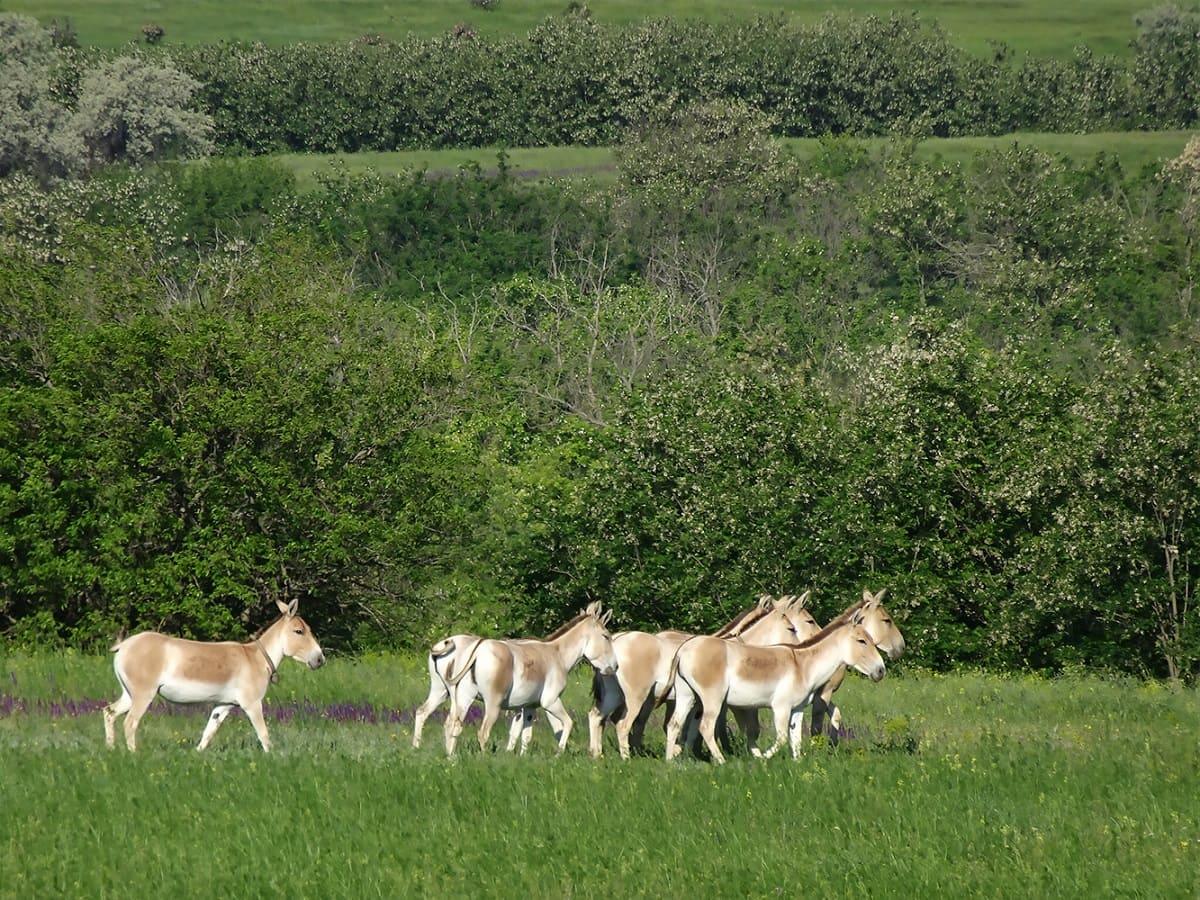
x: 227, y: 673
x: 525, y: 674
x: 439, y: 663
x: 716, y: 673
x: 627, y: 698
x: 826, y: 717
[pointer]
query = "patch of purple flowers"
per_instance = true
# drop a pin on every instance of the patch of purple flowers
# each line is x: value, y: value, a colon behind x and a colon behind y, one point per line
x: 278, y: 712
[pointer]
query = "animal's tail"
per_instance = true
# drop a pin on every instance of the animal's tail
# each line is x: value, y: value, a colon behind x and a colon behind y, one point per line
x: 670, y: 682
x: 442, y: 647
x: 459, y: 669
x: 117, y: 641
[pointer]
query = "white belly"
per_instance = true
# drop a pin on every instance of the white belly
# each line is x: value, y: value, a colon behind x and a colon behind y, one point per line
x: 180, y: 691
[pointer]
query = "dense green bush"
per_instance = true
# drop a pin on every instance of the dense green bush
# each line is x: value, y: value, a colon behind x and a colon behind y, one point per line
x: 573, y: 81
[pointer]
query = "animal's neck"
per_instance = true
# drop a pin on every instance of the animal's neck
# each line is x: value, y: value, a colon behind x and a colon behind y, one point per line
x: 270, y: 643
x: 826, y: 656
x: 569, y: 647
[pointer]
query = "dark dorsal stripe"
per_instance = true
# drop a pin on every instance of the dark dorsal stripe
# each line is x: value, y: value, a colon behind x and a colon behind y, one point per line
x: 823, y: 633
x: 741, y: 622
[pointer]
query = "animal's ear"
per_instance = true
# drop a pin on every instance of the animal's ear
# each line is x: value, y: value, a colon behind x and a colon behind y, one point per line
x: 856, y: 618
x: 765, y: 601
x: 604, y: 618
x: 879, y: 596
x: 801, y: 601
x: 593, y: 608
x: 287, y: 609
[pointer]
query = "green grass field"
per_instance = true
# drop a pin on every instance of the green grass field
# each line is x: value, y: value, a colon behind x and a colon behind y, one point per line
x: 1134, y: 149
x: 1028, y: 26
x: 963, y: 786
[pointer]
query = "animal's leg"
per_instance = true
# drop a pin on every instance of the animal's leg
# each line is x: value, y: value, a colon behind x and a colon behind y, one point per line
x: 708, y: 728
x: 633, y: 705
x: 607, y: 699
x: 461, y: 698
x: 747, y: 720
x: 255, y: 714
x: 117, y: 708
x: 527, y: 719
x: 137, y: 709
x: 630, y: 724
x: 556, y: 712
x: 724, y: 734
x: 682, y: 712
x: 214, y: 722
x: 783, y: 717
x: 437, y: 696
x: 453, y: 726
x: 796, y: 731
x: 514, y: 733
x: 691, y: 734
x: 638, y: 731
x: 819, y: 717
x: 835, y: 723
x: 491, y: 712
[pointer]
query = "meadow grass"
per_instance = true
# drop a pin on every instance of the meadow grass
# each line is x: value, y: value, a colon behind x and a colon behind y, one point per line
x: 1027, y: 26
x: 962, y: 785
x: 1134, y: 149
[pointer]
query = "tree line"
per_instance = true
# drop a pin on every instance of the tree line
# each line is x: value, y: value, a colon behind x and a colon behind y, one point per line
x: 431, y: 403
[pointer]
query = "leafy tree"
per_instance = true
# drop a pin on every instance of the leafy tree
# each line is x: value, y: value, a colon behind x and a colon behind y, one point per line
x: 59, y: 118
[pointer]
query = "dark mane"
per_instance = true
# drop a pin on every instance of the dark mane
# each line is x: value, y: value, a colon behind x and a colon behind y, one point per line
x: 741, y: 622
x: 563, y: 629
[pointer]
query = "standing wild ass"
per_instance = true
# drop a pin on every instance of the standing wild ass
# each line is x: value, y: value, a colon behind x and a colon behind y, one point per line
x: 826, y: 717
x: 785, y: 677
x: 227, y: 673
x: 440, y: 661
x: 644, y: 663
x: 525, y: 674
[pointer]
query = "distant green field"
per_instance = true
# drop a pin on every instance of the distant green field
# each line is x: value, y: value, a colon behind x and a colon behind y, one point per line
x: 1028, y: 26
x: 1134, y: 149
x: 944, y: 786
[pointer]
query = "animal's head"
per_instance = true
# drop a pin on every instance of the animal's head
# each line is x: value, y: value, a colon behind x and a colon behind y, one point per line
x: 598, y: 645
x: 795, y: 610
x: 776, y: 620
x: 878, y: 621
x: 298, y: 640
x: 860, y: 650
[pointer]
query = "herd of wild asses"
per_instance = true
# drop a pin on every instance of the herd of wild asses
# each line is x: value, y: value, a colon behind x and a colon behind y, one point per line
x: 774, y: 655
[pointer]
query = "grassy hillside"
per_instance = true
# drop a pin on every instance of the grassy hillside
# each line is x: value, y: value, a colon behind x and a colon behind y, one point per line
x: 1134, y: 149
x: 1027, y: 26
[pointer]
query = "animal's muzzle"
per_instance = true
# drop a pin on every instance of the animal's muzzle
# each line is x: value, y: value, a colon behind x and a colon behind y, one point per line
x: 878, y: 673
x: 315, y: 662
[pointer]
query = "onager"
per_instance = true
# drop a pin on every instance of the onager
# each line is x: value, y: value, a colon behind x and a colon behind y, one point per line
x: 644, y: 663
x: 785, y: 677
x: 227, y: 673
x: 525, y: 674
x: 826, y: 716
x: 439, y: 662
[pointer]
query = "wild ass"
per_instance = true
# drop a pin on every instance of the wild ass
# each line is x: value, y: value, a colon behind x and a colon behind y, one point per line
x: 525, y: 674
x: 227, y: 673
x: 644, y: 662
x: 826, y: 717
x: 439, y: 663
x: 785, y: 677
